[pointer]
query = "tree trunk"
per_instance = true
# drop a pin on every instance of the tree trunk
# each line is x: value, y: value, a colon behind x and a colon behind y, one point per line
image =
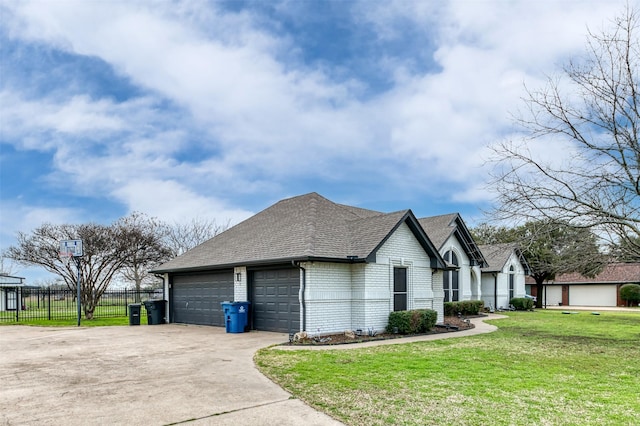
x: 138, y: 280
x: 539, y: 290
x: 88, y: 312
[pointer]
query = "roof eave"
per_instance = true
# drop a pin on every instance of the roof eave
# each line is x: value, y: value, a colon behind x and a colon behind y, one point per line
x: 469, y: 244
x: 263, y: 262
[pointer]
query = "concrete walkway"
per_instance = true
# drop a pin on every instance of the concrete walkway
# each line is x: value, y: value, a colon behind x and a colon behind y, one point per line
x: 480, y: 328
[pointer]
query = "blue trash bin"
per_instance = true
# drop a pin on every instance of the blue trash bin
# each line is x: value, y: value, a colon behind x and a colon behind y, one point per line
x: 235, y: 316
x: 243, y: 313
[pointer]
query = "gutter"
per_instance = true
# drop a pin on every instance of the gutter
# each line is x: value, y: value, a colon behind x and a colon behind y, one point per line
x: 267, y: 262
x: 302, y: 290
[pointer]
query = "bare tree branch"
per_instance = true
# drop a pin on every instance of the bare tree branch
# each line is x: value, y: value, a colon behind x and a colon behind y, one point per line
x: 592, y: 109
x: 181, y: 237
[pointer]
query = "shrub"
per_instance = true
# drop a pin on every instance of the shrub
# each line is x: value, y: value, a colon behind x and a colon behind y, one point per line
x: 630, y: 293
x: 522, y: 303
x: 412, y: 322
x: 429, y: 318
x: 465, y: 307
x: 400, y: 320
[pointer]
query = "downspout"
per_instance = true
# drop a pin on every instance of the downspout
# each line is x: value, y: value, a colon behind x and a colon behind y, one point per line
x: 495, y: 291
x: 302, y: 290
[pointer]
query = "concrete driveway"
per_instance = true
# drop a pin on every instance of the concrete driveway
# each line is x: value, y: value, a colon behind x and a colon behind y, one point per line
x: 141, y: 375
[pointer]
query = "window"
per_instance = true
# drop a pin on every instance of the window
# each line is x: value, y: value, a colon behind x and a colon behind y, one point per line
x: 399, y: 289
x: 511, y: 282
x: 451, y: 281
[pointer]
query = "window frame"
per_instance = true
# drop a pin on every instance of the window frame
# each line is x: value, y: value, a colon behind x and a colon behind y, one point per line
x: 400, y: 289
x: 451, y: 279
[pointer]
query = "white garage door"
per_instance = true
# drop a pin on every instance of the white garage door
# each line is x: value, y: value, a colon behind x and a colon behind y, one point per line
x: 592, y: 295
x: 553, y: 295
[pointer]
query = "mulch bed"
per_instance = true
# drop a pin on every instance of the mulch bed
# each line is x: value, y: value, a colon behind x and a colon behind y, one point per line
x: 451, y: 325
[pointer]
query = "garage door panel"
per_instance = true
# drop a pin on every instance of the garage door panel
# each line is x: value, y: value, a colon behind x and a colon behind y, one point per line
x: 274, y: 295
x: 593, y: 295
x: 196, y: 298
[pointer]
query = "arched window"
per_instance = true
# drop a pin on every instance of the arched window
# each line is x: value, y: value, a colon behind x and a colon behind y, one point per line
x: 451, y: 281
x: 512, y: 285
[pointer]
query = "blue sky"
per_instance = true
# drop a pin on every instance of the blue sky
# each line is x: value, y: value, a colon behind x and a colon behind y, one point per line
x: 219, y: 109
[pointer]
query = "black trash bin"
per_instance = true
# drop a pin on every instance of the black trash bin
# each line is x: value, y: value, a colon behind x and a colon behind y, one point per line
x: 155, y: 311
x: 134, y: 313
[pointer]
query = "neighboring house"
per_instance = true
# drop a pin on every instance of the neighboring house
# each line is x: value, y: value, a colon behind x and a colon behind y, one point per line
x: 456, y: 245
x: 9, y: 293
x: 504, y: 277
x: 309, y: 264
x: 576, y: 290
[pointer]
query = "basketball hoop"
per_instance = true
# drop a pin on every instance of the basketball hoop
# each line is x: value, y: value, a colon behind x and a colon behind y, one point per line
x: 72, y: 249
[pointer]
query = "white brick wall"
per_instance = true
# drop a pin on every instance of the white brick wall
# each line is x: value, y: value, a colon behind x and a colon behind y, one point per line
x: 360, y: 296
x: 402, y: 249
x: 438, y: 294
x: 328, y: 297
x: 240, y: 289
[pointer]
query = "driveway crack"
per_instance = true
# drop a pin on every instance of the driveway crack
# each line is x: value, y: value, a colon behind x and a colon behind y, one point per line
x: 228, y: 412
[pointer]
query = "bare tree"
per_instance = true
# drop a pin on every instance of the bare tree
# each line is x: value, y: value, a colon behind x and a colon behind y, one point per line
x: 145, y: 240
x: 593, y: 108
x: 105, y: 252
x: 550, y: 248
x: 181, y: 237
x: 7, y: 266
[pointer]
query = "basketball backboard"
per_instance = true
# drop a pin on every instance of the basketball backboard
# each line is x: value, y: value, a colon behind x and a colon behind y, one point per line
x: 71, y: 248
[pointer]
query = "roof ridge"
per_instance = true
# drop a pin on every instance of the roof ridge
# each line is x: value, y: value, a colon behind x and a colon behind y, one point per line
x: 440, y: 215
x: 310, y: 226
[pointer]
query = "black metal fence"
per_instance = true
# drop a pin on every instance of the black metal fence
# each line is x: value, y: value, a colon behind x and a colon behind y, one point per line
x: 26, y: 304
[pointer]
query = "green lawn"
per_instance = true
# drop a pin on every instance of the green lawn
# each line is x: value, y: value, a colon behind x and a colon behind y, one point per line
x: 541, y: 367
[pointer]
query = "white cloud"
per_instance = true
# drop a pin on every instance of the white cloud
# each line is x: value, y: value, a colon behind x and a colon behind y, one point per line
x: 174, y: 202
x: 18, y: 216
x: 262, y: 121
x: 77, y: 116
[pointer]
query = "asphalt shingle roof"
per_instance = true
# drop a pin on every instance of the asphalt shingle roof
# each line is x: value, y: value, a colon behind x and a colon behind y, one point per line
x: 439, y: 228
x: 612, y: 273
x: 496, y: 255
x: 306, y: 226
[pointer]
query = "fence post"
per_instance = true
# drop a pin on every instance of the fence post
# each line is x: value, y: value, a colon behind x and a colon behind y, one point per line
x: 49, y: 303
x: 18, y: 302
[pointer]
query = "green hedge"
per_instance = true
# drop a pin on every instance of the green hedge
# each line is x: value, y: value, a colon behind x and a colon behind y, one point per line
x: 412, y: 322
x: 522, y: 303
x: 465, y: 307
x: 630, y: 293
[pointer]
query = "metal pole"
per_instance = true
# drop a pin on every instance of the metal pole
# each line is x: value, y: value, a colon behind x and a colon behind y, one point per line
x: 77, y: 260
